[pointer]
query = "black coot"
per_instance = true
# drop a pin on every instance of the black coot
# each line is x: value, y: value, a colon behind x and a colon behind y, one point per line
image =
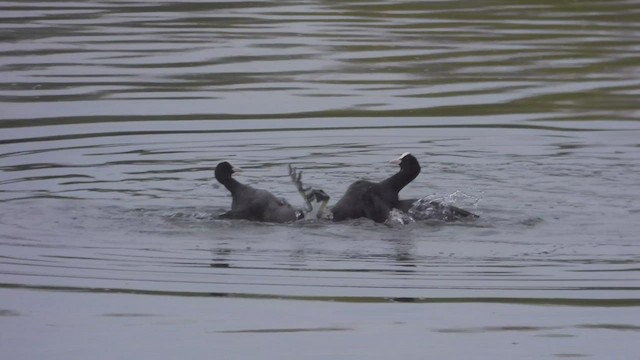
x: 253, y: 204
x: 375, y: 200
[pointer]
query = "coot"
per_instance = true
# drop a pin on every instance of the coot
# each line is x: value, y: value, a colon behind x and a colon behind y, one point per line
x: 253, y: 204
x: 374, y: 200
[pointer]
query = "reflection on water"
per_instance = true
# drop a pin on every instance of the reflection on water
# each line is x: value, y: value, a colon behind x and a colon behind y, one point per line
x: 114, y: 114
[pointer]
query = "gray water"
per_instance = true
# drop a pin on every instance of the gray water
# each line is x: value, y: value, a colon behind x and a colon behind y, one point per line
x: 114, y: 114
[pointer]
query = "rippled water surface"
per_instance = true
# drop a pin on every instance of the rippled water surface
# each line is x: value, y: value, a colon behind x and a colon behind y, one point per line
x: 114, y: 114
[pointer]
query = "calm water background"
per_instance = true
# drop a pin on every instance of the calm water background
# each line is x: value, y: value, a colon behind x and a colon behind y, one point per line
x: 114, y: 114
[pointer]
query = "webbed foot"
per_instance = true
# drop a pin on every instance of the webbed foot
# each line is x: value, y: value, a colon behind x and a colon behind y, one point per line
x: 309, y: 194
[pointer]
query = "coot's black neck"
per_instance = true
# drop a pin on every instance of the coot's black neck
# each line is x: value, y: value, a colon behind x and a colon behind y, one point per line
x: 403, y: 177
x: 230, y: 183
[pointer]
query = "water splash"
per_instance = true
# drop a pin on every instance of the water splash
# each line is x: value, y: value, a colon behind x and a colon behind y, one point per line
x: 440, y: 208
x: 444, y: 208
x: 397, y: 216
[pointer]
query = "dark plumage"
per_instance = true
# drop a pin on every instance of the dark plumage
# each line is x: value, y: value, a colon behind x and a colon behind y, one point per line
x: 375, y: 200
x: 253, y: 204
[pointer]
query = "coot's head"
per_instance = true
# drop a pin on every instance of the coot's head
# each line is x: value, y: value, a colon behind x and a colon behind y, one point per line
x: 224, y: 170
x: 407, y: 162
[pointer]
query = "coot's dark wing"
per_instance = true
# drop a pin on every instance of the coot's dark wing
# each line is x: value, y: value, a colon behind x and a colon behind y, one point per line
x: 433, y: 210
x: 352, y: 204
x: 405, y: 205
x: 377, y: 208
x: 424, y: 210
x: 259, y: 205
x: 461, y: 213
x: 267, y: 207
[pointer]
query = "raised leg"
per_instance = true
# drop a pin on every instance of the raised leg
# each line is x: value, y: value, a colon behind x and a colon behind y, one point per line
x: 308, y: 194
